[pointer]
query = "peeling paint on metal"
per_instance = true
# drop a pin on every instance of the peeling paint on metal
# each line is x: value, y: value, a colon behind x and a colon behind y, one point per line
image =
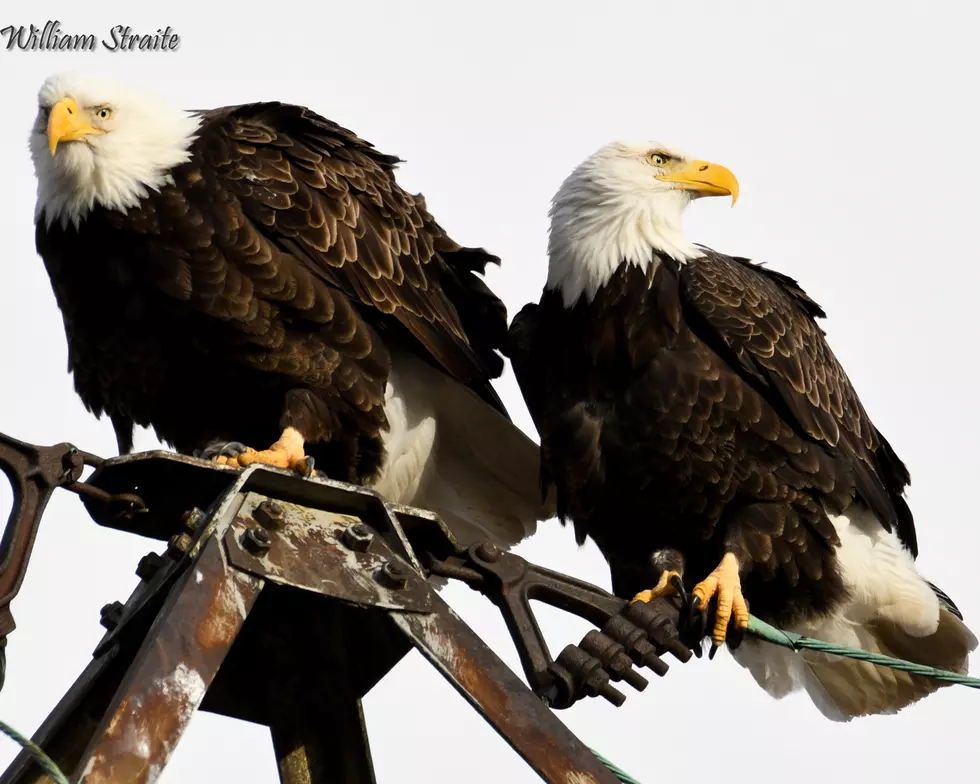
x: 137, y: 744
x: 184, y: 689
x: 440, y: 644
x: 580, y: 778
x: 229, y: 610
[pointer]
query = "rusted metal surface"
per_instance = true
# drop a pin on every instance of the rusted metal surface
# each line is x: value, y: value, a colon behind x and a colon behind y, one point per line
x: 233, y: 534
x: 156, y: 474
x: 520, y: 717
x: 631, y: 634
x: 306, y: 550
x: 34, y: 472
x: 171, y: 673
x: 69, y: 728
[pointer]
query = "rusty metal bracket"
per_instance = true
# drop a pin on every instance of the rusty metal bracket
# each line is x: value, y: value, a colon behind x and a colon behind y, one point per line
x: 35, y: 472
x: 282, y: 601
x: 326, y: 553
x: 631, y: 635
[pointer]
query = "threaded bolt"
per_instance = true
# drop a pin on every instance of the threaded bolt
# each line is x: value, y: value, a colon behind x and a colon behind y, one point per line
x: 270, y: 514
x: 178, y: 545
x: 393, y: 575
x: 110, y: 615
x: 193, y: 518
x: 257, y: 541
x: 357, y: 537
x: 148, y: 566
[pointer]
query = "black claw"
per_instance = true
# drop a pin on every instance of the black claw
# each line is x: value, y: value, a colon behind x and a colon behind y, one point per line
x: 221, y: 449
x: 233, y: 449
x: 678, y: 585
x: 696, y: 613
x: 309, y: 468
x: 712, y: 652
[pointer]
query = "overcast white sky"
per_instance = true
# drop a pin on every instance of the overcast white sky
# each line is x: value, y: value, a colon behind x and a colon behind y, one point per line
x: 852, y: 130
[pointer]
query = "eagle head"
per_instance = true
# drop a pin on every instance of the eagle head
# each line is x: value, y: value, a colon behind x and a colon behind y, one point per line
x: 99, y: 143
x: 623, y: 205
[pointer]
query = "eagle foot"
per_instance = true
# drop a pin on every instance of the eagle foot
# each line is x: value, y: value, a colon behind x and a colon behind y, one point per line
x: 725, y: 587
x: 287, y: 453
x: 670, y: 584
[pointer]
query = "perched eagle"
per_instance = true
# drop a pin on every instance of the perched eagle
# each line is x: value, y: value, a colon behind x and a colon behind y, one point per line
x: 697, y: 426
x: 254, y: 275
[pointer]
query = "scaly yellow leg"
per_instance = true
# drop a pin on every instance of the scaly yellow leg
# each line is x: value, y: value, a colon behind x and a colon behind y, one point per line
x: 287, y: 452
x: 724, y: 583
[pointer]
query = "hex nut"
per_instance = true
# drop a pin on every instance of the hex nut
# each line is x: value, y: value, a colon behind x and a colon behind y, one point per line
x: 270, y: 514
x: 357, y: 537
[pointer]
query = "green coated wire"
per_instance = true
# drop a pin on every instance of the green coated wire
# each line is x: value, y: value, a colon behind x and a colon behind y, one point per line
x: 35, y: 751
x: 619, y: 773
x: 757, y: 628
x: 797, y: 642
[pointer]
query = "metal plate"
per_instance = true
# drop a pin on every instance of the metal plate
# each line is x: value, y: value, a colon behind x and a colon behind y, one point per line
x: 307, y: 552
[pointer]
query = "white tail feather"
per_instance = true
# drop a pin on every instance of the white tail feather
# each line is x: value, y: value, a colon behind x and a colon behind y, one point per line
x: 451, y: 453
x: 891, y: 610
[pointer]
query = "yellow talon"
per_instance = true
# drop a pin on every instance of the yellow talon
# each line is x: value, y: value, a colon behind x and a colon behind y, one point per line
x: 724, y: 583
x: 665, y: 587
x: 287, y: 452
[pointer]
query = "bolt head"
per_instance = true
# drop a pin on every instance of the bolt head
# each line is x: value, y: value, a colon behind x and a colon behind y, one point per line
x: 257, y: 541
x: 488, y: 552
x: 110, y: 615
x: 393, y: 575
x: 357, y: 537
x: 193, y: 518
x: 178, y: 545
x: 270, y: 514
x: 148, y: 566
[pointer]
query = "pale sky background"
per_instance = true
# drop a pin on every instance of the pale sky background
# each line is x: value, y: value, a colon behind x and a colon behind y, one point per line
x: 852, y: 130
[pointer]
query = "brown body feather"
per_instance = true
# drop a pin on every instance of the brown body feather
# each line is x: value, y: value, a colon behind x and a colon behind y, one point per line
x: 699, y: 408
x: 266, y: 287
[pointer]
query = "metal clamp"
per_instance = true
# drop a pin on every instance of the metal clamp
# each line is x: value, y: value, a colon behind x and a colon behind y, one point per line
x: 632, y: 635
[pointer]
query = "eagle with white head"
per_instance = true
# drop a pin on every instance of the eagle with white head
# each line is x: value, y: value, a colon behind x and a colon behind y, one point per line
x: 696, y: 425
x: 255, y: 275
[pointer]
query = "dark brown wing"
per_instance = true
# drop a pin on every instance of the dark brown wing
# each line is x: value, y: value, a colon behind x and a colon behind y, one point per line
x: 316, y: 192
x: 764, y: 324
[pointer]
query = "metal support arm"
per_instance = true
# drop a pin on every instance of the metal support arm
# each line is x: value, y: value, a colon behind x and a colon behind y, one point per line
x: 284, y: 601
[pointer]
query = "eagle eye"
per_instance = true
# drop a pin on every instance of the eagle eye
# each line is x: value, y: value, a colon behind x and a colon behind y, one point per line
x: 658, y: 158
x: 104, y: 113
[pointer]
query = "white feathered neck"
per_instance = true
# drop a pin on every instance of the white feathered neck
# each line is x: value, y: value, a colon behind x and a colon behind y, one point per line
x: 145, y: 139
x: 607, y: 213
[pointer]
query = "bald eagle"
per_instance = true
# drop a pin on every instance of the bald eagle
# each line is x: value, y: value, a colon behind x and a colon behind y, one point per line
x: 697, y: 426
x: 254, y: 275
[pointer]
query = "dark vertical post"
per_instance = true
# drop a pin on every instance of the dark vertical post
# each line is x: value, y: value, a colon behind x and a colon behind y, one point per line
x: 326, y: 745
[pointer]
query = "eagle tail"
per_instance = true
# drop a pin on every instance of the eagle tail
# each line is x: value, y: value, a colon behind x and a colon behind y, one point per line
x: 450, y: 452
x: 891, y: 610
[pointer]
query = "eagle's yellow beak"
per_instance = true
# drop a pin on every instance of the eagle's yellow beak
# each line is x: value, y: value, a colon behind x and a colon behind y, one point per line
x: 67, y: 123
x: 707, y: 179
